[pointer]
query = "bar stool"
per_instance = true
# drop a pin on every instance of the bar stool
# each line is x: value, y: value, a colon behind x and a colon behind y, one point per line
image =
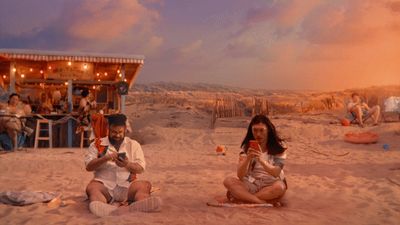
x: 84, y: 130
x: 47, y: 128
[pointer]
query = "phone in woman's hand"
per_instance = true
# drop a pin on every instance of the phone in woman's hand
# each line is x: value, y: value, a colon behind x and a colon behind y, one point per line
x: 254, y: 144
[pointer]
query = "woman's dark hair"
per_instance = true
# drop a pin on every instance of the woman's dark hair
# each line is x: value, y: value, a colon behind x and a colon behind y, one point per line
x: 274, y: 142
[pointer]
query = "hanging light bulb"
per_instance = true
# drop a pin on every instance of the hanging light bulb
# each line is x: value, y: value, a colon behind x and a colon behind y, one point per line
x: 4, y: 76
x: 85, y: 66
x: 14, y: 70
x: 118, y: 71
x: 98, y: 74
x: 31, y: 69
x: 41, y: 71
x: 22, y: 75
x: 49, y: 67
x: 120, y: 75
x: 105, y: 74
x: 69, y: 63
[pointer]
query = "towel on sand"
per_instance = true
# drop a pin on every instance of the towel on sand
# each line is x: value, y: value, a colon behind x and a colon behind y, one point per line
x: 21, y: 198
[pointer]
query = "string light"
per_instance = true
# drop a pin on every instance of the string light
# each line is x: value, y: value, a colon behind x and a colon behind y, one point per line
x: 69, y: 63
x: 120, y: 75
x: 4, y: 76
x: 85, y: 66
x: 94, y: 87
x: 14, y: 70
x: 31, y: 70
x: 105, y: 74
x: 66, y: 83
x: 98, y: 74
x: 118, y: 71
x: 49, y: 67
x: 41, y: 71
x: 98, y: 80
x: 22, y: 75
x: 125, y: 80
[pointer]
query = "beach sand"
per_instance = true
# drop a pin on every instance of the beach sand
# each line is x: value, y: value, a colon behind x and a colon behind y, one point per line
x: 330, y: 181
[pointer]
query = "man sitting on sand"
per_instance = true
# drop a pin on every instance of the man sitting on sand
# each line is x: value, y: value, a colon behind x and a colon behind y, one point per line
x: 360, y: 111
x: 116, y: 160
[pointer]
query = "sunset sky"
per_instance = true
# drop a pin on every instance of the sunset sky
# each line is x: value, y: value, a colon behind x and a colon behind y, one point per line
x: 271, y: 44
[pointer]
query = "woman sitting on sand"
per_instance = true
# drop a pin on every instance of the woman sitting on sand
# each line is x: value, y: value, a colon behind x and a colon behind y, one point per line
x: 260, y: 171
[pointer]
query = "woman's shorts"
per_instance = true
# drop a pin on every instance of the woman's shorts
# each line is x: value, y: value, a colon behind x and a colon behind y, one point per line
x: 257, y: 185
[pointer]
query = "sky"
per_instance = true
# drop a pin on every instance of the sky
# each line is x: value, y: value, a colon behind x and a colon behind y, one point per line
x: 269, y: 44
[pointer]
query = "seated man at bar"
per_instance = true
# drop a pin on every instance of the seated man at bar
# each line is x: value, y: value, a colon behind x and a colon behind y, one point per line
x: 12, y: 127
x: 115, y: 160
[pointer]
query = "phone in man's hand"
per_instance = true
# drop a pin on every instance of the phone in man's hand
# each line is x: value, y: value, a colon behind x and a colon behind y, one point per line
x: 122, y: 156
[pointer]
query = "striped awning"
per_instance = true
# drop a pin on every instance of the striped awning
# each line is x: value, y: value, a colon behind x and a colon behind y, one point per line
x: 36, y: 55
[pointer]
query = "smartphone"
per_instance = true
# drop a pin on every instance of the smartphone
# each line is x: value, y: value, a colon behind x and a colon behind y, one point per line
x: 122, y: 155
x: 254, y: 144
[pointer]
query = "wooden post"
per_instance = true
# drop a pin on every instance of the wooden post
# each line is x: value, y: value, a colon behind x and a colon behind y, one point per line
x: 12, y: 77
x: 70, y: 108
x: 123, y: 97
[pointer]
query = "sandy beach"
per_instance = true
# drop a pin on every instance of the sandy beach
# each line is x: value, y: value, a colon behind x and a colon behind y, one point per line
x: 330, y: 181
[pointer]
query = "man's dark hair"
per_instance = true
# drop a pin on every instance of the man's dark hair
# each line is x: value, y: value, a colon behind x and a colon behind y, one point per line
x: 117, y: 120
x: 354, y: 94
x: 12, y: 95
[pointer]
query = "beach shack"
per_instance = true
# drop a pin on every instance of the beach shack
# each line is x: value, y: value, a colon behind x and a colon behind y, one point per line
x: 39, y: 75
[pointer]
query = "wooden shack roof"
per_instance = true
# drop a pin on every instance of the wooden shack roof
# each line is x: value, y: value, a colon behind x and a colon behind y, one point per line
x: 36, y: 55
x: 37, y: 66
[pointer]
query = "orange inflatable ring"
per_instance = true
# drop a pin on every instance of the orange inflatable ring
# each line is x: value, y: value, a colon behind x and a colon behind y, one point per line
x: 361, y: 138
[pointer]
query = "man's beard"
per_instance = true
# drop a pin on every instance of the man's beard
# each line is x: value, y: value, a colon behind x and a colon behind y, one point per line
x: 115, y: 142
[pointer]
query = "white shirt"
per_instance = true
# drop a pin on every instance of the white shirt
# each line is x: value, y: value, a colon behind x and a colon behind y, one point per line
x: 109, y: 173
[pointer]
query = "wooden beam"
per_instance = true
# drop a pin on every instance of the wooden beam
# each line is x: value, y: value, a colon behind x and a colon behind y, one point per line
x: 123, y: 97
x: 137, y: 70
x: 70, y: 108
x: 12, y: 77
x: 89, y: 82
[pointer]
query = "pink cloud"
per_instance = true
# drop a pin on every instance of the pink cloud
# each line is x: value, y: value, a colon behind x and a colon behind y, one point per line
x: 394, y: 6
x: 107, y: 19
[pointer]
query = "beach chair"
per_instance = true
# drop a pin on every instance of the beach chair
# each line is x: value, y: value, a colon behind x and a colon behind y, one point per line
x: 391, y: 110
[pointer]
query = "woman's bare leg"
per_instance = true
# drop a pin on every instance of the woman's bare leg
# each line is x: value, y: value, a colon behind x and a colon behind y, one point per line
x: 275, y: 191
x: 239, y: 191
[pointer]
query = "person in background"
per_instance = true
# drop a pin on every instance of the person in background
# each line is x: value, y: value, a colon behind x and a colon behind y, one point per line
x: 12, y: 128
x: 46, y: 106
x: 360, y: 111
x: 86, y: 106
